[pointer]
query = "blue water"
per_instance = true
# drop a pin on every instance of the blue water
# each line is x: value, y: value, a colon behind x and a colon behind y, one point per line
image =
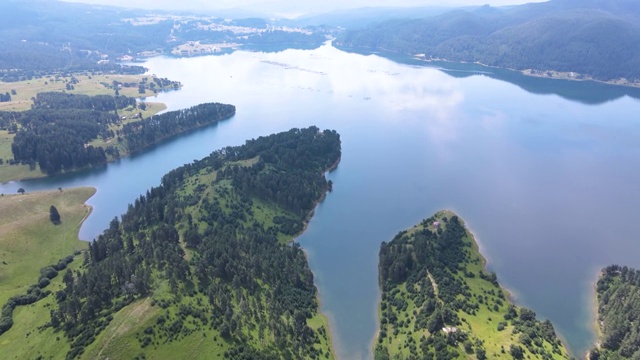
x: 547, y: 176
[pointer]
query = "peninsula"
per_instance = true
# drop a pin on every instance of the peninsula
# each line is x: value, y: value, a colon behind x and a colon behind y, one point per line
x: 438, y: 301
x: 64, y: 132
x: 202, y: 266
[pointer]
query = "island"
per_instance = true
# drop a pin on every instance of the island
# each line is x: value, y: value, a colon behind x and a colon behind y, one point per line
x: 203, y: 266
x: 618, y: 299
x: 439, y: 301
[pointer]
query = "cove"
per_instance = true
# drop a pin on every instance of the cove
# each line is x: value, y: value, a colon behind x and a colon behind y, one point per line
x: 547, y: 182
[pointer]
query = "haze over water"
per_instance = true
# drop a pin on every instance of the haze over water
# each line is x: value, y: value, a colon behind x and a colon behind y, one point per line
x: 549, y: 186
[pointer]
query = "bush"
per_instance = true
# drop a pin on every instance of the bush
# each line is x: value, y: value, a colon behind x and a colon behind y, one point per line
x: 44, y: 282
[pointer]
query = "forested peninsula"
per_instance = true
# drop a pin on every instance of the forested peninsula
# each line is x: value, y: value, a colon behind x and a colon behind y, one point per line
x: 63, y: 132
x: 618, y: 299
x: 439, y: 302
x: 201, y: 266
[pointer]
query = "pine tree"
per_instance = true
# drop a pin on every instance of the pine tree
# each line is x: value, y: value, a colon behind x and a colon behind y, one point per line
x: 54, y: 215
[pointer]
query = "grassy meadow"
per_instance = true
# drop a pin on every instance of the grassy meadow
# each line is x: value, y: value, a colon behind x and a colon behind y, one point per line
x: 86, y: 85
x: 29, y: 241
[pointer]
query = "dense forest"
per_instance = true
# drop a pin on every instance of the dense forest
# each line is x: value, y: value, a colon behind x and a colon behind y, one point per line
x: 138, y: 135
x: 618, y: 297
x: 597, y: 39
x: 210, y: 248
x: 438, y: 301
x: 56, y: 132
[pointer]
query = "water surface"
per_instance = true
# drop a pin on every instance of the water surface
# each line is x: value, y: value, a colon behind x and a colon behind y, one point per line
x: 548, y: 182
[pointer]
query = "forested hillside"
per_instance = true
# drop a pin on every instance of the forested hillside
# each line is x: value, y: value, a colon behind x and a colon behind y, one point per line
x: 63, y: 132
x: 618, y: 297
x: 438, y: 301
x: 204, y: 262
x: 594, y: 39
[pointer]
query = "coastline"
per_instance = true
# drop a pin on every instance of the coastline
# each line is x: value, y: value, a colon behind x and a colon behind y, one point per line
x: 318, y: 202
x: 306, y: 255
x: 511, y: 294
x: 595, y: 313
x: 543, y: 74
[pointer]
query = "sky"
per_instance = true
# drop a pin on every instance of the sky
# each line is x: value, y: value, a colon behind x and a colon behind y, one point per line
x: 290, y: 6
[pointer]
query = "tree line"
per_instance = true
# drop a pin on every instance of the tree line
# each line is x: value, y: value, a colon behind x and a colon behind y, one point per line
x: 141, y: 134
x: 62, y: 101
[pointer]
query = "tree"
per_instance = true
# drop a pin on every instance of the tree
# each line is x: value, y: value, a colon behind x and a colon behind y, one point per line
x: 516, y: 351
x: 54, y: 215
x: 21, y: 191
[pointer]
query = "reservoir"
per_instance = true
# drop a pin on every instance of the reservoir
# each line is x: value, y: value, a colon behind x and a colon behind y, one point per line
x: 546, y: 173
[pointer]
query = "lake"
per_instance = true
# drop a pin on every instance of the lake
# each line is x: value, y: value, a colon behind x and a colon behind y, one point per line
x: 546, y: 173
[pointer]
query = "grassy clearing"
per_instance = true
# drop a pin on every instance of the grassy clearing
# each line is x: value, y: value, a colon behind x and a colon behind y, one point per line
x: 28, y: 239
x: 26, y: 339
x: 86, y: 85
x: 29, y: 242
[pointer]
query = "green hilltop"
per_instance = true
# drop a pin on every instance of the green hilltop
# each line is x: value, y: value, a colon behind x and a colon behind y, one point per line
x: 438, y: 301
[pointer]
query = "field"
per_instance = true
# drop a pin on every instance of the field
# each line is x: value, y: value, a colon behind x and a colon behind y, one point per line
x: 83, y: 84
x: 29, y: 241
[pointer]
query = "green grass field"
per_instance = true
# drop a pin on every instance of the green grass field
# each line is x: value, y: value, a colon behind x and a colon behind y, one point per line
x: 29, y: 242
x: 87, y: 85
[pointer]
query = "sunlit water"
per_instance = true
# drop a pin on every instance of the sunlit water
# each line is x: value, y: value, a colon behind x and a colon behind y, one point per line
x: 550, y: 186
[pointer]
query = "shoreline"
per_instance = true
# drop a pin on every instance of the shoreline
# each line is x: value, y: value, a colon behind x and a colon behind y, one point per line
x: 541, y: 74
x: 595, y: 313
x: 534, y: 73
x: 306, y: 255
x: 512, y: 295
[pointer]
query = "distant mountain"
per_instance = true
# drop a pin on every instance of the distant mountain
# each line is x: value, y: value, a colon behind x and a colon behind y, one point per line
x: 360, y: 17
x: 594, y: 38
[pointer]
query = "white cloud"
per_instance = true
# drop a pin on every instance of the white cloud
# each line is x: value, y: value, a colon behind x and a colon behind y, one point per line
x: 289, y: 6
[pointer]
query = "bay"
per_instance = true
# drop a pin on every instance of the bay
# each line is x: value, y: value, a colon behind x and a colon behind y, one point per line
x: 545, y: 172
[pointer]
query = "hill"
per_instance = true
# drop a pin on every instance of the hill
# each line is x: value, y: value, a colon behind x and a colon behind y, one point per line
x: 439, y: 302
x: 618, y: 296
x: 593, y: 40
x: 203, y: 266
